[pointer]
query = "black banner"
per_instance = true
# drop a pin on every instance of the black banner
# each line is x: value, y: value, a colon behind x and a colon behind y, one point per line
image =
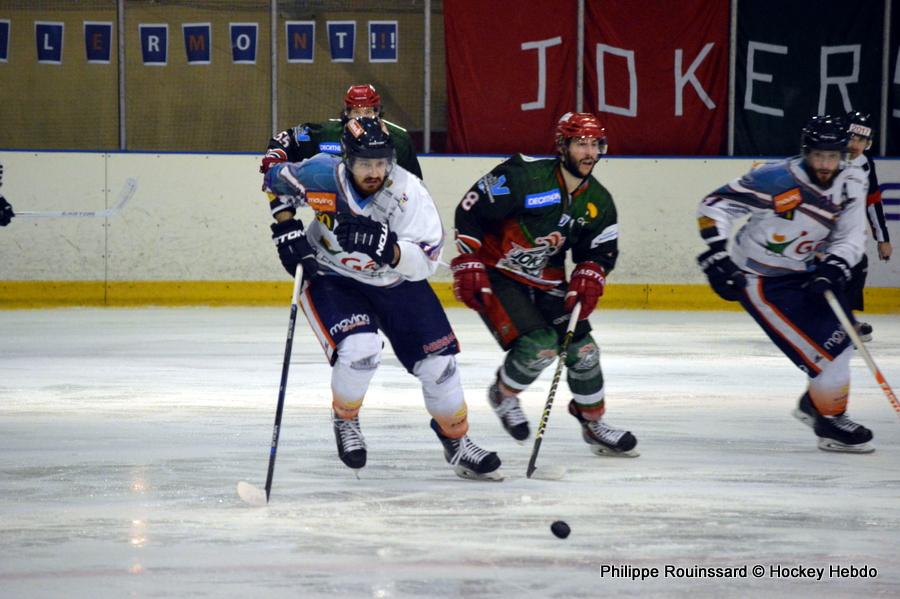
x: 796, y: 59
x: 893, y: 109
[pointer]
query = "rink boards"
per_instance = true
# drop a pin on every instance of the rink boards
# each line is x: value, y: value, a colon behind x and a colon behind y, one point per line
x: 195, y: 231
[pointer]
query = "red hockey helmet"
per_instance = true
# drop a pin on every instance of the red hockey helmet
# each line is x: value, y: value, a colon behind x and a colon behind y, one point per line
x: 361, y: 95
x: 580, y: 124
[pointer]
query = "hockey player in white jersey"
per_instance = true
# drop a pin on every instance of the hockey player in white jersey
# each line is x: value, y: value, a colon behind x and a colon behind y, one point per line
x: 859, y: 129
x: 805, y: 230
x: 375, y: 239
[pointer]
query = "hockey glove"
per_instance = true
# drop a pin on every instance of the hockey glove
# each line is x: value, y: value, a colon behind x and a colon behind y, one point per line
x: 358, y: 233
x: 586, y: 286
x: 471, y: 285
x: 725, y: 278
x: 272, y: 157
x: 293, y: 248
x: 832, y: 272
x: 6, y: 212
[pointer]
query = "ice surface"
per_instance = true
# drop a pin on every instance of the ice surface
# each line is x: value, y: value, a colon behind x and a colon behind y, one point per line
x: 123, y: 433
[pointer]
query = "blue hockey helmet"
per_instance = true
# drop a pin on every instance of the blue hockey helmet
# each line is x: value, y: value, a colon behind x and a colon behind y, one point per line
x: 824, y: 132
x: 366, y: 137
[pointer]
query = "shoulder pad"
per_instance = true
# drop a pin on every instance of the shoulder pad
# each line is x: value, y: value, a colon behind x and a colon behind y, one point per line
x: 320, y: 169
x: 771, y: 178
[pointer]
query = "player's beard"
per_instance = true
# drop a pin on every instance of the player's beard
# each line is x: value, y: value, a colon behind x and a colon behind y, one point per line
x: 577, y: 168
x: 372, y: 184
x: 816, y: 174
x: 824, y: 176
x: 368, y: 186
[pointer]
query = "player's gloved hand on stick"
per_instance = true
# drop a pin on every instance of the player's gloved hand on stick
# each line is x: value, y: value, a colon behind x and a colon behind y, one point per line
x: 293, y: 248
x: 6, y: 212
x: 471, y: 285
x: 725, y: 278
x: 585, y: 286
x: 357, y: 233
x: 832, y: 272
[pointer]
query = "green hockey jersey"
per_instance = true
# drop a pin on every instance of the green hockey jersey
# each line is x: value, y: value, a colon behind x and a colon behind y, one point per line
x: 520, y: 219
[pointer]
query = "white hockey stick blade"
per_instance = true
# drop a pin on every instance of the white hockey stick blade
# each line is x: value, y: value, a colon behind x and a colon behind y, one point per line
x: 251, y: 494
x: 549, y: 472
x: 125, y: 194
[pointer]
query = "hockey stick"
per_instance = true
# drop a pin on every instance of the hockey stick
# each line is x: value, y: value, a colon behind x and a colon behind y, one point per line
x: 248, y: 492
x: 854, y: 337
x: 563, y: 351
x: 124, y: 196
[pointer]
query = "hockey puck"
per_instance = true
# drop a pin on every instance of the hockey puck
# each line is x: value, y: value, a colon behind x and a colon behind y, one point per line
x: 560, y: 529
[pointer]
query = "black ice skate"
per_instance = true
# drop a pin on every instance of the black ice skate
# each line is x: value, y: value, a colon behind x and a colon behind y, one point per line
x: 351, y: 444
x: 864, y: 329
x: 510, y: 414
x: 468, y: 460
x: 805, y: 411
x: 604, y: 439
x: 835, y: 433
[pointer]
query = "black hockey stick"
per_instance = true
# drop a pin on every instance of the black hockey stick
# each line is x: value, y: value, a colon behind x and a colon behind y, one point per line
x: 248, y: 492
x: 563, y: 352
x: 861, y: 348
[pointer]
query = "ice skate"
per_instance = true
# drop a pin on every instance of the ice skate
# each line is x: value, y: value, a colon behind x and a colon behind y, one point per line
x: 351, y: 444
x: 839, y: 433
x: 468, y: 460
x: 864, y: 330
x: 508, y: 411
x: 604, y: 439
x: 805, y: 412
x: 835, y: 433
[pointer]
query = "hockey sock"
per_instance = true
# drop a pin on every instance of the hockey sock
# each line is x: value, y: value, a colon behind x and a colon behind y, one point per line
x: 358, y: 357
x: 443, y: 393
x: 584, y: 375
x: 830, y: 390
x: 530, y: 355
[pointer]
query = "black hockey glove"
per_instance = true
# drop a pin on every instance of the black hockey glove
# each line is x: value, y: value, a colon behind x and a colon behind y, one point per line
x: 294, y: 249
x: 6, y: 212
x: 725, y: 278
x: 832, y: 272
x: 358, y: 233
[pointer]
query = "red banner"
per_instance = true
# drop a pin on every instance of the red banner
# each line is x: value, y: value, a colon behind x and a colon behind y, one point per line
x: 510, y: 73
x: 663, y: 75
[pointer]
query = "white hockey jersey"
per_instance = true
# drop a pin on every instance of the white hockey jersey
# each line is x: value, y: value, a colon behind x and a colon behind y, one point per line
x: 402, y: 202
x: 874, y: 205
x: 791, y: 218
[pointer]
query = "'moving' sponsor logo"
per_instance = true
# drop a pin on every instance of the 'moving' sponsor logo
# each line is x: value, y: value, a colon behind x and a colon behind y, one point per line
x: 348, y: 324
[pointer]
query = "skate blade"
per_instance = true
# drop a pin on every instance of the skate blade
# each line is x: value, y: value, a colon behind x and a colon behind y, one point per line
x: 837, y: 446
x: 251, y: 494
x: 804, y: 417
x: 495, y: 476
x: 606, y: 452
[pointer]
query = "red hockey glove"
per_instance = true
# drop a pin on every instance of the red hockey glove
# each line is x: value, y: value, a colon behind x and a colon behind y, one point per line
x: 586, y: 286
x: 272, y: 157
x: 471, y: 285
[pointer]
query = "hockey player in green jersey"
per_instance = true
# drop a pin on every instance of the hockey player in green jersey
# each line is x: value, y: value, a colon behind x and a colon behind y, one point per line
x: 514, y: 228
x: 306, y: 140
